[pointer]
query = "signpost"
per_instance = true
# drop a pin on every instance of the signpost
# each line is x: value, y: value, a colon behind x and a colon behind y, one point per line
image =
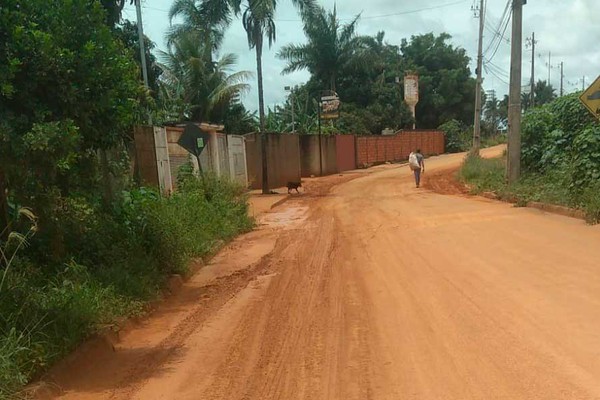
x: 411, y: 93
x: 329, y: 109
x: 591, y: 98
x: 194, y: 141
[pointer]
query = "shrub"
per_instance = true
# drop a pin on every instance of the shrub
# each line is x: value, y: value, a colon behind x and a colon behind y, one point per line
x: 483, y: 174
x: 115, y: 261
x: 458, y: 136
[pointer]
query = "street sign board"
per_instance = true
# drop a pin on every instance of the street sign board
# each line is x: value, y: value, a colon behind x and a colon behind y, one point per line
x: 411, y: 89
x: 193, y: 139
x: 330, y: 107
x: 591, y: 98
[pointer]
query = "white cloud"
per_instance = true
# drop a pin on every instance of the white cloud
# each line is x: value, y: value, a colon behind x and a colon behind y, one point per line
x: 566, y: 28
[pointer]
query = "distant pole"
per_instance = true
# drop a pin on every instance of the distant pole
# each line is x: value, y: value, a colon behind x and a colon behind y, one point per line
x: 140, y: 24
x: 562, y: 78
x: 549, y: 66
x: 477, y: 124
x: 514, y: 102
x: 320, y: 145
x: 583, y: 85
x: 532, y: 94
x: 291, y: 90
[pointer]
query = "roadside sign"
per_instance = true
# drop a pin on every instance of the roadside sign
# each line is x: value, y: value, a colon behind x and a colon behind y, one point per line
x: 411, y: 89
x: 591, y: 98
x: 330, y: 106
x: 193, y: 139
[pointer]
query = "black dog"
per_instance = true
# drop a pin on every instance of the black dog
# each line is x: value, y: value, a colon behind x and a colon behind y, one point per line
x: 294, y: 186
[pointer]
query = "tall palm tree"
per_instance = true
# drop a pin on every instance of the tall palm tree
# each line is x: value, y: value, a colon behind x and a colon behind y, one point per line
x: 208, y: 20
x: 206, y: 86
x: 331, y: 47
x: 258, y: 23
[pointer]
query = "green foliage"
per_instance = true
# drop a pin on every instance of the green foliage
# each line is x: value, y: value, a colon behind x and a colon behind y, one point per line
x: 128, y: 33
x: 483, y: 174
x: 116, y: 261
x: 446, y: 88
x: 193, y: 86
x: 551, y: 187
x: 458, y: 137
x: 331, y: 47
x: 69, y: 90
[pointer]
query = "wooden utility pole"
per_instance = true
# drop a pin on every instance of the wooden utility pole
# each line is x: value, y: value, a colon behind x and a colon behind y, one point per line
x: 514, y: 102
x: 140, y: 26
x: 532, y: 94
x: 549, y: 66
x: 478, y: 107
x: 562, y: 78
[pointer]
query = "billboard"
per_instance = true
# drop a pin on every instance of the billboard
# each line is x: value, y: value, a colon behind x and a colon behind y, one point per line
x: 330, y: 106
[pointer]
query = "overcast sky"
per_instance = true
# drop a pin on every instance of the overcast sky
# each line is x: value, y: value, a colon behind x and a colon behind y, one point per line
x: 566, y: 28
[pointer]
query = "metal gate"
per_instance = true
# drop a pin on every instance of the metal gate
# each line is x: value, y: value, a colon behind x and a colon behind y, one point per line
x: 237, y: 159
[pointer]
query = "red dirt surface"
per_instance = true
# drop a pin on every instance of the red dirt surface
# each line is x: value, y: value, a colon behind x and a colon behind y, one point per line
x: 372, y: 289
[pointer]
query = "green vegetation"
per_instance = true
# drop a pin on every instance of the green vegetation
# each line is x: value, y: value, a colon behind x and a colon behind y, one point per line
x: 459, y: 137
x: 114, y: 263
x: 99, y: 246
x: 560, y: 160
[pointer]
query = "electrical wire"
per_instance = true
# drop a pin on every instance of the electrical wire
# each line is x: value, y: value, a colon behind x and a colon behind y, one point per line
x: 362, y: 17
x: 499, y: 32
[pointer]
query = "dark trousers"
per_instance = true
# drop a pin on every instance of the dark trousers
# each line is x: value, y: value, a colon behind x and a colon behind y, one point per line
x: 418, y: 176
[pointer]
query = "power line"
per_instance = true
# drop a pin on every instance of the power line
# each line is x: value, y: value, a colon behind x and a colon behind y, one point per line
x: 366, y: 17
x: 499, y: 31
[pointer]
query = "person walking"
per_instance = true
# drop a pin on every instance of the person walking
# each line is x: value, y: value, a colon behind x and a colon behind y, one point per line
x: 417, y: 165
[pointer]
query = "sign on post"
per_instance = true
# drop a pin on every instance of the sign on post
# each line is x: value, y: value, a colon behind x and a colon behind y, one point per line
x: 330, y: 106
x: 591, y: 98
x: 411, y: 93
x: 193, y: 139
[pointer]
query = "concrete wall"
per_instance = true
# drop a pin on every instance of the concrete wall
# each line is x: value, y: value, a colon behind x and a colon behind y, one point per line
x: 309, y: 155
x: 283, y: 159
x: 379, y: 149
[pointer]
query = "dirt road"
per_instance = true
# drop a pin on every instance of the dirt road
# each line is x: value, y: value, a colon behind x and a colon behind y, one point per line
x: 373, y: 290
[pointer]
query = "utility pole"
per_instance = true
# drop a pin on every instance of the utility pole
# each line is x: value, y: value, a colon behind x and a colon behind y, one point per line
x: 532, y: 94
x: 291, y: 90
x: 549, y: 66
x: 140, y: 24
x: 583, y: 85
x: 562, y: 78
x: 514, y: 102
x: 477, y: 124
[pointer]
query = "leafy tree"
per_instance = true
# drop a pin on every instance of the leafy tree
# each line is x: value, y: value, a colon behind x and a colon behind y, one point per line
x: 205, y: 85
x: 331, y: 47
x: 207, y: 19
x: 68, y: 88
x: 128, y: 33
x: 447, y: 90
x: 544, y: 93
x: 258, y: 21
x: 114, y: 8
x: 203, y: 89
x: 238, y: 120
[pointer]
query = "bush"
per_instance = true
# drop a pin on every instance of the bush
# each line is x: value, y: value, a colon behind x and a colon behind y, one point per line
x: 484, y: 174
x: 115, y: 261
x: 458, y: 136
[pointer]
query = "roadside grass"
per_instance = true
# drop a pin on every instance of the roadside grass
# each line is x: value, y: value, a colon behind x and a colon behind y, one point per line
x: 489, y: 175
x: 117, y: 264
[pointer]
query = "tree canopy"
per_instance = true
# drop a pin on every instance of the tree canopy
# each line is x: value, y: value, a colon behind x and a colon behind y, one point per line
x: 68, y: 88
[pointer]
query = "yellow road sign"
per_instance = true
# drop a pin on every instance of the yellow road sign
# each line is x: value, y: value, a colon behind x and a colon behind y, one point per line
x: 591, y: 98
